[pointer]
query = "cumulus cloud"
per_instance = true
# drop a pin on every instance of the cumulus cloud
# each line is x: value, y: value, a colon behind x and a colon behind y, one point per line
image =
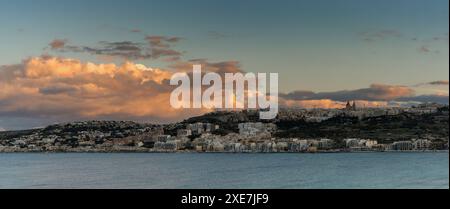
x: 68, y: 88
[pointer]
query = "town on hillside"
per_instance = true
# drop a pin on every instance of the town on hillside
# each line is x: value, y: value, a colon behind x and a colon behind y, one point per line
x: 352, y: 129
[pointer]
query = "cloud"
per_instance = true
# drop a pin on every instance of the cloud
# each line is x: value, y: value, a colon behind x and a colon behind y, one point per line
x: 70, y: 89
x: 61, y: 89
x: 57, y: 89
x: 424, y: 49
x: 57, y: 44
x: 161, y: 41
x: 155, y: 48
x: 424, y: 45
x: 123, y: 49
x: 433, y: 44
x: 371, y: 36
x: 160, y: 46
x: 433, y: 83
x: 438, y: 82
x: 377, y: 95
x: 329, y: 104
x: 443, y: 37
x: 441, y: 99
x: 315, y: 103
x: 217, y: 67
x: 376, y: 92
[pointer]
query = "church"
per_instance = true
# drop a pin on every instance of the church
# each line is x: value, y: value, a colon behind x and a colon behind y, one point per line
x: 350, y: 107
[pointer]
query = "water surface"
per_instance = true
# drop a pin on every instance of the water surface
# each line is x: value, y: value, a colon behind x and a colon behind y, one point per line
x: 220, y: 170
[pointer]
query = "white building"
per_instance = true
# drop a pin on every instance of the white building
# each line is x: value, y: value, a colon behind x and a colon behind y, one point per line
x: 184, y: 132
x: 163, y: 138
x: 421, y: 144
x: 199, y: 128
x: 253, y: 129
x: 371, y: 143
x: 402, y: 145
x: 352, y: 142
x: 325, y: 143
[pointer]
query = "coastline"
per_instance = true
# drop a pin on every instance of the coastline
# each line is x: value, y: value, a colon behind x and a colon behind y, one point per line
x: 223, y: 152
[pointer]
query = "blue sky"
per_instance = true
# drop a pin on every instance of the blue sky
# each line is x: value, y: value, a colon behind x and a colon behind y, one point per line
x: 317, y: 44
x: 320, y: 45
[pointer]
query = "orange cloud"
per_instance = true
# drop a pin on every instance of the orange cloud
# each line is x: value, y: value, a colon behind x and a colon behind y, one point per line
x: 68, y: 88
x: 330, y: 104
x: 388, y: 92
x: 376, y: 92
x: 320, y: 103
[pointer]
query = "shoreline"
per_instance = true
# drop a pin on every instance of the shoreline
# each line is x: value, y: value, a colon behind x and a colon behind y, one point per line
x: 194, y: 152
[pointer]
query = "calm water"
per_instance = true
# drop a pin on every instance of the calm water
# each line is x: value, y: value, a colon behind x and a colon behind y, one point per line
x: 152, y: 170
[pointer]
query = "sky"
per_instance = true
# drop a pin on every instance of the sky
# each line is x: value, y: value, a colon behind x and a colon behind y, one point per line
x: 325, y: 51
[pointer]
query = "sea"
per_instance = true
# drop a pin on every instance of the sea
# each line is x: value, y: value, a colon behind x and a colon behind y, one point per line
x: 379, y: 170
